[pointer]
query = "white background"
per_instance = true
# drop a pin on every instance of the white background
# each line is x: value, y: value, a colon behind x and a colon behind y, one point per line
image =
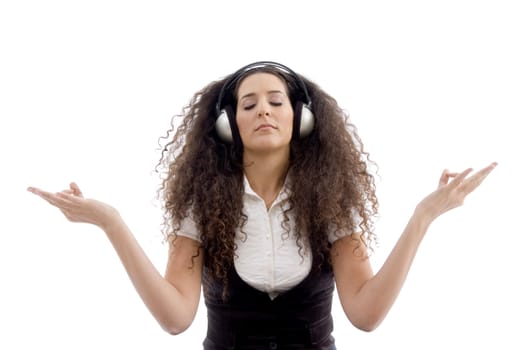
x: 86, y: 89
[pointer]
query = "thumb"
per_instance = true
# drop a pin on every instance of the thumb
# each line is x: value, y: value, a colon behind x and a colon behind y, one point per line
x: 76, y: 190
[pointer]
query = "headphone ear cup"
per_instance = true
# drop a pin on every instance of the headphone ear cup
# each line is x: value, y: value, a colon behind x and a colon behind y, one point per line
x: 223, y: 127
x: 303, y: 120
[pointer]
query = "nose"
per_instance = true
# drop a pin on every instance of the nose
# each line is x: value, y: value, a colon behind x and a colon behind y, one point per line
x: 263, y: 111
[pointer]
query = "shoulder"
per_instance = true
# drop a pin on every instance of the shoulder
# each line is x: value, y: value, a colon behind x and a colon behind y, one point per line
x: 188, y: 229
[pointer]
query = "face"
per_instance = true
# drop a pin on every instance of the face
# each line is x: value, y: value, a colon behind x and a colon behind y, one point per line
x: 264, y: 113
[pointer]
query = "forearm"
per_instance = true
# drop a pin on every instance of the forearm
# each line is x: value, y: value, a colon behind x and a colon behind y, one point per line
x: 378, y: 294
x: 163, y: 300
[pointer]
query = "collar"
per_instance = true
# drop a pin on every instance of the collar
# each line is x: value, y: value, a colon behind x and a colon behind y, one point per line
x: 282, y: 195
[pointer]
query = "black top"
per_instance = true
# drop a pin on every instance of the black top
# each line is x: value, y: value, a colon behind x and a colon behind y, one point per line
x: 299, y: 318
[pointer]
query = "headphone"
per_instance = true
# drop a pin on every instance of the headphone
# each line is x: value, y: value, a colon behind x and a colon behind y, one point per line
x: 226, y: 125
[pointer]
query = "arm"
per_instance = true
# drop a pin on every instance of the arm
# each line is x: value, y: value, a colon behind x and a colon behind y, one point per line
x: 366, y: 297
x: 172, y: 300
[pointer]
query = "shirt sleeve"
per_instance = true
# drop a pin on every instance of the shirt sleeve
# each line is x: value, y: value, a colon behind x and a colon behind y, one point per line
x: 334, y: 236
x: 189, y: 229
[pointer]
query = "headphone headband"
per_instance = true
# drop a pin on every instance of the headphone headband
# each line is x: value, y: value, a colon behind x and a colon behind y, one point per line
x: 233, y: 79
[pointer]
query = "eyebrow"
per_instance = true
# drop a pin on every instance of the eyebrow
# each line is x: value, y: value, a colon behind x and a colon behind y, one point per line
x: 268, y: 92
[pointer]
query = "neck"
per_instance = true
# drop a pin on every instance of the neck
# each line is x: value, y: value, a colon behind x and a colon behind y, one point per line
x: 266, y: 173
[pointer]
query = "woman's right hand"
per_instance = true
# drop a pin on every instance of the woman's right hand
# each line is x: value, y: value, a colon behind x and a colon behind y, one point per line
x: 76, y: 208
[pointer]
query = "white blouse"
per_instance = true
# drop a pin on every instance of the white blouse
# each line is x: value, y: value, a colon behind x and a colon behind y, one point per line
x: 267, y: 256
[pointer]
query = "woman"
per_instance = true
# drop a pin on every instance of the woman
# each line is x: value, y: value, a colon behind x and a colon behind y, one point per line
x: 268, y: 204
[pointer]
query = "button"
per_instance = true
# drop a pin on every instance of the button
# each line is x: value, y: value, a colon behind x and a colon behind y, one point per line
x: 272, y: 345
x: 268, y: 236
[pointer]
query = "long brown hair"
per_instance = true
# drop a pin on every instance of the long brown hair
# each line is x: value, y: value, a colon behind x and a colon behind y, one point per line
x: 329, y: 181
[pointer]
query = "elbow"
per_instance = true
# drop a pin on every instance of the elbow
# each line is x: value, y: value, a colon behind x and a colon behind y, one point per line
x: 366, y: 326
x: 175, y: 323
x: 366, y: 323
x: 175, y: 327
x: 173, y: 331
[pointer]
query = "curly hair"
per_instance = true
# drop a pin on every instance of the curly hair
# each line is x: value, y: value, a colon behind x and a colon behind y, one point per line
x: 329, y: 183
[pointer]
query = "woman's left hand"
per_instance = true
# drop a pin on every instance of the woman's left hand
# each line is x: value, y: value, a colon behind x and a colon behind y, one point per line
x: 453, y: 188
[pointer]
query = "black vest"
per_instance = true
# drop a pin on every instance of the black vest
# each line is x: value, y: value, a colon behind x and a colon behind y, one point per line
x: 297, y: 319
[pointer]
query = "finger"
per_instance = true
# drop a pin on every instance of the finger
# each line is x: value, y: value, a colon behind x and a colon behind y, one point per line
x: 51, y: 198
x: 474, y: 181
x: 444, y: 178
x: 54, y: 200
x: 39, y: 192
x: 67, y: 198
x: 76, y: 189
x: 460, y: 177
x: 66, y: 194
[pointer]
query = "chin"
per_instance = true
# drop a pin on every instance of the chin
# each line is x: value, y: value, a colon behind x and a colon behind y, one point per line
x: 266, y: 144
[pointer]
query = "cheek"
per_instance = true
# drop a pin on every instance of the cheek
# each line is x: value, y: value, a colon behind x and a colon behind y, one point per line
x: 242, y: 121
x: 289, y: 120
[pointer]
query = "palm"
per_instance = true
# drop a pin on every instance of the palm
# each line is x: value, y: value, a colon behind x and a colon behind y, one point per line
x: 76, y: 208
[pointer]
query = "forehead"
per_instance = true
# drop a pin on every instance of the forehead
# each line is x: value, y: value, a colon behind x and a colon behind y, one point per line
x: 261, y: 80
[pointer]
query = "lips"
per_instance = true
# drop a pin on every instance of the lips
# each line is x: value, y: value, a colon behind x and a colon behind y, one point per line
x: 265, y: 126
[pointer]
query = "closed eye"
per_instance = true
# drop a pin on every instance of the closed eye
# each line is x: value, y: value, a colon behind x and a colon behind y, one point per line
x: 275, y: 104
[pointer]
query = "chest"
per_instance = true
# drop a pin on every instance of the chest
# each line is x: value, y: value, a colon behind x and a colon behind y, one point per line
x: 269, y: 256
